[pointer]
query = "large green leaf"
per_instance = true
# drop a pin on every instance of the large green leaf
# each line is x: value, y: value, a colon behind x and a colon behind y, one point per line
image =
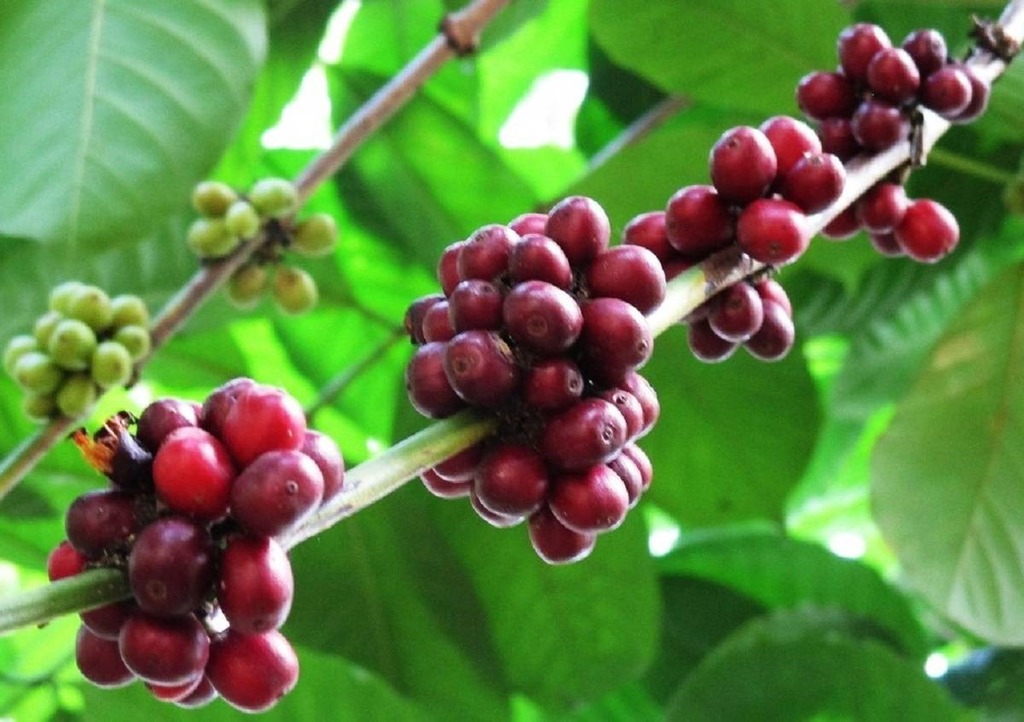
x: 745, y: 55
x: 113, y: 109
x: 947, y: 474
x: 809, y: 663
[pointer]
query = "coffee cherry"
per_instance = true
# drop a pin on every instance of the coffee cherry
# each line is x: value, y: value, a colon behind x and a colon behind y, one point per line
x: 512, y: 479
x: 980, y: 92
x: 486, y: 253
x: 629, y: 406
x: 193, y: 472
x: 647, y: 230
x: 276, y: 492
x: 877, y: 125
x: 947, y: 91
x: 44, y: 326
x: 210, y: 238
x: 882, y: 207
x: 134, y: 338
x: 554, y: 542
x: 580, y: 226
x: 837, y: 138
x: 166, y: 651
x: 743, y: 165
x: 591, y: 431
x: 107, y: 621
x: 294, y: 290
x: 706, y: 345
x: 630, y: 273
x: 39, y: 407
x: 415, y: 313
x: 538, y: 258
x: 814, y: 182
x: 76, y: 395
x: 822, y: 95
x: 775, y: 337
x: 213, y: 198
x: 593, y: 500
x: 242, y: 220
x: 274, y: 197
x: 37, y: 373
x: 475, y: 304
x: 886, y: 244
x: 773, y: 231
x: 736, y: 314
x: 626, y: 469
x: 495, y: 519
x: 843, y: 227
x: 698, y: 220
x: 552, y: 384
x: 173, y: 692
x: 325, y: 454
x: 17, y: 347
x: 791, y: 139
x: 893, y: 76
x: 928, y: 231
x: 481, y: 369
x: 99, y: 661
x: 642, y: 390
x: 220, y: 401
x: 315, y: 236
x: 101, y: 521
x: 129, y: 310
x: 252, y: 671
x: 427, y: 385
x: 203, y: 694
x: 857, y: 46
x: 448, y: 267
x: 255, y: 585
x: 262, y: 419
x: 170, y: 567
x: 771, y: 290
x: 92, y: 306
x: 444, y: 489
x: 111, y: 365
x: 61, y: 294
x: 928, y: 50
x: 247, y: 285
x: 526, y: 223
x: 643, y: 463
x: 437, y: 322
x: 615, y: 340
x: 542, y: 318
x: 64, y: 561
x: 72, y: 344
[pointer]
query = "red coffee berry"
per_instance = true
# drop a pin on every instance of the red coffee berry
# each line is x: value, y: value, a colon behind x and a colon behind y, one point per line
x: 928, y: 49
x: 642, y: 390
x: 460, y: 466
x: 857, y: 46
x: 162, y: 417
x: 325, y: 453
x: 736, y: 313
x: 64, y: 561
x: 276, y: 492
x: 814, y: 182
x: 192, y: 473
x: 442, y: 487
x: 698, y: 220
x: 643, y: 463
x: 170, y: 567
x: 775, y: 337
x: 166, y: 651
x: 203, y: 694
x: 480, y: 367
x: 485, y: 255
x: 219, y: 402
x: 743, y: 165
x: 592, y: 431
x: 542, y: 318
x: 416, y: 313
x: 252, y: 671
x: 626, y: 469
x: 99, y: 661
x: 823, y: 95
x: 980, y: 92
x: 837, y: 138
x: 877, y: 125
x: 173, y: 692
x: 791, y: 139
x: 448, y: 267
x: 106, y: 621
x: 615, y: 340
x: 886, y: 244
x: 427, y: 384
x: 842, y: 227
x: 552, y: 384
x: 630, y: 408
x: 706, y: 345
x: 947, y: 91
x: 771, y: 290
x: 262, y: 419
x: 554, y: 542
x: 882, y: 207
x: 475, y: 304
x: 593, y: 500
x: 512, y: 479
x: 495, y: 519
x: 255, y: 584
x: 631, y: 273
x: 893, y: 75
x: 773, y: 231
x: 580, y: 227
x: 528, y: 223
x: 437, y: 323
x: 928, y: 231
x: 647, y: 230
x: 538, y: 258
x: 102, y: 521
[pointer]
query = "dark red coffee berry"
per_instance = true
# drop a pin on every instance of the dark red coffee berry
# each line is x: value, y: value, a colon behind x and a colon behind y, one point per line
x: 814, y: 182
x: 706, y: 345
x: 437, y: 323
x: 325, y: 453
x: 512, y: 479
x: 276, y: 492
x: 877, y: 125
x: 947, y: 91
x: 592, y: 431
x: 857, y: 46
x: 580, y: 227
x: 552, y: 384
x: 642, y: 390
x: 460, y: 466
x: 928, y: 231
x: 698, y: 220
x: 102, y: 521
x: 886, y: 244
x: 475, y: 304
x: 162, y: 417
x: 554, y: 542
x: 743, y: 165
x: 173, y: 692
x: 255, y: 584
x: 262, y: 419
x: 480, y: 367
x: 647, y: 230
x: 736, y: 313
x: 630, y: 408
x: 631, y: 273
x: 615, y: 340
x: 837, y: 138
x: 593, y: 500
x: 192, y: 473
x: 626, y: 469
x: 203, y: 694
x: 980, y: 92
x: 773, y: 341
x: 495, y: 519
x: 64, y: 561
x: 791, y: 139
x: 773, y: 231
x: 528, y: 223
x: 219, y: 402
x: 542, y: 318
x: 893, y: 75
x: 165, y: 651
x: 106, y: 621
x: 99, y: 661
x: 170, y: 568
x: 448, y: 267
x: 445, y: 489
x: 928, y: 49
x: 427, y: 384
x: 252, y: 671
x: 538, y: 258
x: 643, y: 463
x: 822, y: 95
x: 485, y: 255
x: 771, y: 290
x: 882, y: 207
x: 843, y: 227
x: 416, y: 313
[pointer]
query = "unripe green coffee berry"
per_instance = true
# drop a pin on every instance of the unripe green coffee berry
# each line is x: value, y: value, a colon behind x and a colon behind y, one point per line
x: 135, y: 339
x: 92, y: 306
x: 247, y: 285
x: 294, y: 290
x: 111, y: 365
x: 316, y: 235
x: 274, y: 197
x: 44, y: 326
x: 39, y: 407
x: 129, y: 311
x: 210, y: 238
x: 76, y: 395
x: 16, y: 348
x: 72, y: 344
x: 212, y: 198
x: 242, y: 219
x: 37, y: 373
x: 60, y: 295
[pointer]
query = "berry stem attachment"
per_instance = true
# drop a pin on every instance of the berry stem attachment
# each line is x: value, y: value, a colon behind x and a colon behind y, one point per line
x: 80, y: 592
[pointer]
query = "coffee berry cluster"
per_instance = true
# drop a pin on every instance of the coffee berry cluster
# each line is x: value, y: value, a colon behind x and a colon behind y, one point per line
x: 199, y: 498
x: 542, y: 324
x: 228, y: 218
x: 86, y: 342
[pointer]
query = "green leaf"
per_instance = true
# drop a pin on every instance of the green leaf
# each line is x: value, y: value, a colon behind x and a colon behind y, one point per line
x: 946, y: 475
x: 777, y: 571
x: 808, y: 663
x: 744, y: 55
x: 113, y: 109
x: 733, y: 438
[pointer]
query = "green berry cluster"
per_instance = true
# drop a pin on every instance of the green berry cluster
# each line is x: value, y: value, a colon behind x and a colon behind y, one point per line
x: 86, y: 342
x: 228, y: 218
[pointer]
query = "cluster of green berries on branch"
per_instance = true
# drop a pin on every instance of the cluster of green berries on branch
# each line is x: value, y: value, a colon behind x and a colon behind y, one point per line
x: 199, y: 497
x: 228, y: 218
x: 86, y: 342
x: 542, y: 324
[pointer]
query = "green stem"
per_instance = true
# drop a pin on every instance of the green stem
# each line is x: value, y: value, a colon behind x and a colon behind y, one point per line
x: 87, y: 590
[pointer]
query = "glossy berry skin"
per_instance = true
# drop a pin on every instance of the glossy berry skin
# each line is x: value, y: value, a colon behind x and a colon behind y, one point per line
x: 593, y: 500
x: 64, y: 561
x: 743, y: 164
x: 538, y: 258
x: 166, y: 651
x: 486, y: 253
x: 630, y: 408
x: 947, y: 91
x: 512, y: 479
x: 448, y: 267
x: 99, y: 661
x: 437, y: 323
x: 528, y: 223
x: 475, y: 304
x: 837, y: 138
x: 626, y: 469
x: 771, y: 290
x: 823, y: 95
x: 843, y: 227
x: 857, y: 46
x: 170, y: 567
x: 580, y: 227
x: 643, y: 463
x: 443, y: 488
x: 630, y: 273
x: 893, y: 76
x: 590, y: 432
x: 886, y: 244
x: 102, y: 521
x: 552, y: 384
x: 928, y: 231
x: 106, y: 621
x: 162, y: 417
x: 262, y: 419
x: 252, y: 671
x: 928, y: 50
x: 647, y: 230
x: 192, y: 474
x: 542, y: 318
x: 480, y: 368
x: 276, y: 492
x: 791, y: 139
x: 642, y: 390
x: 219, y: 402
x: 416, y: 313
x: 775, y: 337
x: 255, y: 584
x: 698, y: 220
x: 773, y: 231
x: 495, y: 519
x: 980, y: 92
x: 554, y: 542
x: 427, y: 385
x: 882, y: 207
x: 615, y: 340
x: 877, y: 125
x: 201, y: 695
x: 325, y: 453
x: 814, y: 182
x: 736, y: 314
x: 706, y: 345
x: 460, y: 466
